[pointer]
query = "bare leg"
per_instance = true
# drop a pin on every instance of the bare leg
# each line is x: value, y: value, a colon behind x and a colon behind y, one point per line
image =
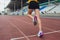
x: 38, y: 18
x: 40, y: 34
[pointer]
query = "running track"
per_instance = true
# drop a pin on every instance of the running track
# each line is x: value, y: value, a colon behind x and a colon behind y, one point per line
x: 22, y: 28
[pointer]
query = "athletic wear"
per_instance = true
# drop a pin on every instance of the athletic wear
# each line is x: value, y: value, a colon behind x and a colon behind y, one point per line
x: 32, y: 0
x: 33, y: 5
x: 40, y: 34
x: 35, y: 20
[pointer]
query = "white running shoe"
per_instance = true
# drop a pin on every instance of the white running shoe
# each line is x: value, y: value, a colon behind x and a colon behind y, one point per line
x: 40, y: 34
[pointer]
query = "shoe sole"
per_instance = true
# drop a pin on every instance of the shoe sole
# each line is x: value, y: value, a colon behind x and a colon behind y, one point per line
x: 35, y: 20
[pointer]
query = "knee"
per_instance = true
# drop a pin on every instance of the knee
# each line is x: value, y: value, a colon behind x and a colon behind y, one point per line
x: 37, y: 15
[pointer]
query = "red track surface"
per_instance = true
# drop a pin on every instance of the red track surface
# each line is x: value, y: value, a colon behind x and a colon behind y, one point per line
x: 18, y: 26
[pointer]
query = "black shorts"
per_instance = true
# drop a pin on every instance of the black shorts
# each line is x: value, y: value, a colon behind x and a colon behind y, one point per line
x: 33, y: 5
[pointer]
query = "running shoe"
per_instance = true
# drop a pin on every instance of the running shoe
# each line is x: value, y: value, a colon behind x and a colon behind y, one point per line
x: 35, y: 20
x: 40, y: 34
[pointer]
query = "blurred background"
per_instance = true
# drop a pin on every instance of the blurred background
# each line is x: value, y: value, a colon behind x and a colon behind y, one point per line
x: 20, y: 7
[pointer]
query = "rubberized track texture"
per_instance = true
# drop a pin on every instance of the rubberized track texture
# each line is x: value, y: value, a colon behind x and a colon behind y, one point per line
x: 22, y: 28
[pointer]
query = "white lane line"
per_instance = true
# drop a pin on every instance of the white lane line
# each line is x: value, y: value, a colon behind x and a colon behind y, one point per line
x: 19, y: 31
x: 31, y: 35
x: 58, y: 31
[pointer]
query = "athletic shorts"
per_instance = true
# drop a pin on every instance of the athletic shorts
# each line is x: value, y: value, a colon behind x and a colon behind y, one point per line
x: 33, y: 5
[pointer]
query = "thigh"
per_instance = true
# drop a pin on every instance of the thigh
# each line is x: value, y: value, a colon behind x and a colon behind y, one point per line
x: 37, y: 12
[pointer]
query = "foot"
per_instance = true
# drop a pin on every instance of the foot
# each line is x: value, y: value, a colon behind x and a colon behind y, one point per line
x: 35, y: 20
x: 40, y: 34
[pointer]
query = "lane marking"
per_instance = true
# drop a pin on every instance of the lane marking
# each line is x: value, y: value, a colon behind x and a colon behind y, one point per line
x: 34, y: 35
x: 18, y: 30
x: 58, y: 31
